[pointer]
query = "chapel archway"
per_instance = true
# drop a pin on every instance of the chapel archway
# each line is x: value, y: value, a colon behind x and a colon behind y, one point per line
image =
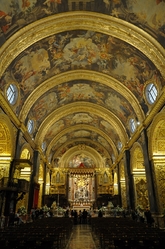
x: 157, y: 155
x: 23, y: 171
x: 139, y: 177
x: 6, y: 154
x: 6, y: 148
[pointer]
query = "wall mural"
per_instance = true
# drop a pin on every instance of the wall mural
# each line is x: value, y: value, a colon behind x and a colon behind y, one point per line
x: 80, y: 50
x: 81, y: 91
x: 84, y: 134
x: 15, y: 14
x: 81, y: 118
x: 81, y: 161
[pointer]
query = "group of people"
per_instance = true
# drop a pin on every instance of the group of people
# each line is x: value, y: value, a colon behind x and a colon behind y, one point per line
x: 14, y: 219
x: 81, y: 217
x: 39, y: 213
x: 143, y: 216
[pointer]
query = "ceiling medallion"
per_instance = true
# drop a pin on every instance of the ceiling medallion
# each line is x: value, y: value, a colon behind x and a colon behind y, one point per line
x: 81, y: 147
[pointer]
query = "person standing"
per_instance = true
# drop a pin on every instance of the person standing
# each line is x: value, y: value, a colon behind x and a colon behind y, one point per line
x: 80, y: 217
x: 149, y: 217
x: 75, y: 215
x: 84, y: 216
x: 100, y: 214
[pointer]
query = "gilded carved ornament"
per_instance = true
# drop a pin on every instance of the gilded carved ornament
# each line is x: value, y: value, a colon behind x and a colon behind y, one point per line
x: 122, y: 171
x: 25, y: 154
x: 41, y: 173
x: 156, y: 136
x: 160, y: 184
x: 7, y: 137
x: 137, y: 158
x: 141, y: 191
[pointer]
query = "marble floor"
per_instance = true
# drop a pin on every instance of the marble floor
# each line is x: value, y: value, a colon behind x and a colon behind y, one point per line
x: 81, y: 238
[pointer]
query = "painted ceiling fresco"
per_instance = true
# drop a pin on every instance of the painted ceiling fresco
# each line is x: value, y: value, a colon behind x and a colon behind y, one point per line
x: 81, y: 161
x: 80, y: 50
x: 69, y: 110
x: 148, y: 15
x: 82, y: 134
x: 81, y: 118
x: 82, y: 91
x: 84, y: 142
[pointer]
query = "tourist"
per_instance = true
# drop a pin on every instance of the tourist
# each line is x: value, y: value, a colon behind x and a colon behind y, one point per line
x: 100, y: 214
x: 149, y: 217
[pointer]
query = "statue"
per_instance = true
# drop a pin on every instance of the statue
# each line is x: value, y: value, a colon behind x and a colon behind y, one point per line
x: 54, y: 205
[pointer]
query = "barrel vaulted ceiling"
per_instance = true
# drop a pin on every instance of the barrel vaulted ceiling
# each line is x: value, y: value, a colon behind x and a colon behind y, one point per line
x: 81, y: 69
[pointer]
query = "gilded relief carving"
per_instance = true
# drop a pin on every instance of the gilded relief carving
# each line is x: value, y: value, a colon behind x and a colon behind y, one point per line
x: 160, y: 183
x: 123, y: 195
x: 161, y: 146
x: 122, y: 171
x: 156, y: 135
x: 57, y: 178
x: 4, y: 169
x: 5, y: 140
x: 141, y: 192
x: 137, y: 159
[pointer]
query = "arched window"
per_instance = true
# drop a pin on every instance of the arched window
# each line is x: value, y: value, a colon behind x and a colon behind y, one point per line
x: 132, y: 124
x: 151, y: 93
x: 30, y: 126
x: 12, y: 94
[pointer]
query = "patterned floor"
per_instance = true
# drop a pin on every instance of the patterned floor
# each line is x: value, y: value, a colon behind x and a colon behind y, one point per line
x: 81, y: 238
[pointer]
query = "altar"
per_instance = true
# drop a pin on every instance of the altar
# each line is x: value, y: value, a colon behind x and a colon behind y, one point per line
x: 81, y: 194
x: 81, y: 207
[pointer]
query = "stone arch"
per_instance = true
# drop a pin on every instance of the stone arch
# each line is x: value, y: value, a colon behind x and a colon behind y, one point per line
x: 157, y: 136
x: 139, y: 177
x: 6, y: 145
x: 157, y: 155
x: 25, y: 170
x: 25, y: 154
x: 6, y: 137
x: 137, y: 158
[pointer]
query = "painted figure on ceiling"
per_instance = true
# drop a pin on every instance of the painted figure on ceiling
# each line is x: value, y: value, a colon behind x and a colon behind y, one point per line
x: 5, y: 21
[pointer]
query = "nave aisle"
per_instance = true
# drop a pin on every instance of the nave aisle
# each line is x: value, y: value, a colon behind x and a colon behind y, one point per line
x: 81, y: 238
